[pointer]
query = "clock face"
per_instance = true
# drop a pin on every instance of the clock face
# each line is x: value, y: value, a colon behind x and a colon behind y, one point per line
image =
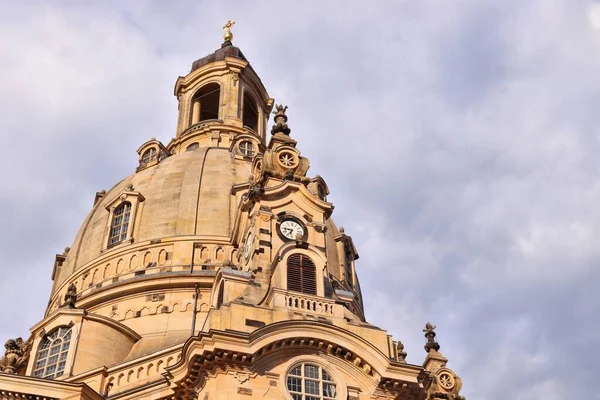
x: 290, y: 229
x: 248, y: 245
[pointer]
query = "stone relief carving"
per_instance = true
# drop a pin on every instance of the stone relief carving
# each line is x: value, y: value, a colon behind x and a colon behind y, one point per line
x: 400, y: 351
x: 71, y: 296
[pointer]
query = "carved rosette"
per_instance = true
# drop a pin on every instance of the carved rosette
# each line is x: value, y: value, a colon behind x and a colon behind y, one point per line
x: 286, y: 163
x: 445, y: 385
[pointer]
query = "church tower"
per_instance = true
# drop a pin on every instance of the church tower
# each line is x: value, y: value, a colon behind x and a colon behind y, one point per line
x: 215, y: 271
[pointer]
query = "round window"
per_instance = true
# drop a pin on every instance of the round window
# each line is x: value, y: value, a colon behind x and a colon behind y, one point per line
x: 310, y: 382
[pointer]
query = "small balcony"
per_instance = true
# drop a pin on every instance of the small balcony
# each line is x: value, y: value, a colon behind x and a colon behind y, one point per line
x: 304, y: 303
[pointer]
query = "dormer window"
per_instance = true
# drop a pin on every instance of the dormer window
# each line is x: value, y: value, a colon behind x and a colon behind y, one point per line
x: 122, y: 209
x: 205, y: 103
x: 250, y: 113
x: 120, y: 224
x: 149, y: 155
x: 247, y: 148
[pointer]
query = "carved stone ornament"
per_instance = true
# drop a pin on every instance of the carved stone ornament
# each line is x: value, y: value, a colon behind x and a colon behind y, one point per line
x: 280, y: 121
x: 445, y: 385
x: 71, y: 296
x: 400, y: 351
x: 430, y: 335
x: 16, y: 354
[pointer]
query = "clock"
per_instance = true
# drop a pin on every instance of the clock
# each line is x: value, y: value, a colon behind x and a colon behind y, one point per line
x: 290, y: 228
x: 248, y: 245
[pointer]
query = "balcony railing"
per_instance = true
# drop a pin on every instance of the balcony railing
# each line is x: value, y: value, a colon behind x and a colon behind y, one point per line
x: 305, y: 303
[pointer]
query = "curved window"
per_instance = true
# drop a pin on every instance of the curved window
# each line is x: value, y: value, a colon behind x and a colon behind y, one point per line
x: 52, y: 354
x: 149, y: 155
x: 247, y: 148
x: 301, y: 274
x: 250, y: 113
x: 310, y: 382
x: 119, y: 224
x: 220, y: 294
x: 192, y: 147
x: 205, y: 103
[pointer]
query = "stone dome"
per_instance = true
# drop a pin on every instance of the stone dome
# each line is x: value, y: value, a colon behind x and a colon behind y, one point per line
x: 202, y: 223
x: 187, y: 194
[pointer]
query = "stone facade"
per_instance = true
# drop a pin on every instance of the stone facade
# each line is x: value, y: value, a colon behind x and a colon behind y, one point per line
x: 215, y: 271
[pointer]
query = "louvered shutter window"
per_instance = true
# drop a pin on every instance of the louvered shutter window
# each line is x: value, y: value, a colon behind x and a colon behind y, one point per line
x: 301, y: 274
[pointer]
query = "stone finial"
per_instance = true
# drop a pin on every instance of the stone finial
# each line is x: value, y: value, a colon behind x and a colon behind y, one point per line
x: 16, y: 354
x: 129, y: 187
x: 400, y: 351
x: 71, y: 296
x: 430, y: 335
x: 342, y: 230
x: 67, y: 249
x: 227, y: 35
x: 280, y: 121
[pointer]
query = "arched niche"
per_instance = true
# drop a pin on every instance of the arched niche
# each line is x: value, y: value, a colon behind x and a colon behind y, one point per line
x: 205, y: 103
x: 250, y: 112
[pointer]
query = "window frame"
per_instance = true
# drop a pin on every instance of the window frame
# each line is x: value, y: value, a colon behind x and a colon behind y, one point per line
x: 148, y: 156
x: 126, y: 196
x: 46, y: 345
x: 192, y: 146
x: 124, y: 219
x: 321, y: 361
x: 248, y: 150
x: 305, y: 286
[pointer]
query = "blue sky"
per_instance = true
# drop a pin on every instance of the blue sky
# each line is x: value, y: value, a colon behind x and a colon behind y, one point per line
x: 459, y: 140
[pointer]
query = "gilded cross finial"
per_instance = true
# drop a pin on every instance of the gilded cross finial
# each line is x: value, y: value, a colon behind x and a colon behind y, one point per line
x: 227, y: 35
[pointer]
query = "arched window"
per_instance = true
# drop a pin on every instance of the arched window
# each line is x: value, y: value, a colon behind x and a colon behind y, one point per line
x: 119, y: 224
x: 250, y: 113
x: 205, y: 103
x: 247, y: 148
x: 52, y: 354
x: 310, y: 382
x: 220, y: 294
x: 149, y: 155
x: 192, y: 147
x: 301, y: 274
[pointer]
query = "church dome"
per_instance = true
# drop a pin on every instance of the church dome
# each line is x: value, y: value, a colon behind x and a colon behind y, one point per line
x: 184, y: 197
x: 213, y: 269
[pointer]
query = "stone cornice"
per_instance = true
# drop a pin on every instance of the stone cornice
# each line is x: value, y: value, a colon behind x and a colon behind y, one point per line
x: 222, y: 349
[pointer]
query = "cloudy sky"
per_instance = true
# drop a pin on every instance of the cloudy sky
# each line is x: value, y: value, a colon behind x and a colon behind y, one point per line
x: 459, y: 138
